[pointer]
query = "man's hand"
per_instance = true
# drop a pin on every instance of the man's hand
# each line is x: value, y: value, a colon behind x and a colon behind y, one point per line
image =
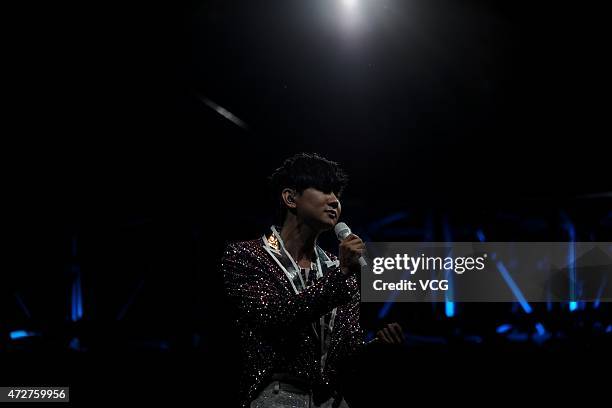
x: 351, y: 248
x: 392, y: 333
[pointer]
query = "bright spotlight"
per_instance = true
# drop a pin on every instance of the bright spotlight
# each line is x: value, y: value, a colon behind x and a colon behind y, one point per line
x: 349, y: 4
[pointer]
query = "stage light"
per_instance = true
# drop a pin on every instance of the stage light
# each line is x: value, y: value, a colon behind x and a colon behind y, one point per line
x: 20, y: 334
x: 449, y: 308
x: 513, y: 287
x: 348, y: 16
x: 504, y: 328
x: 349, y: 4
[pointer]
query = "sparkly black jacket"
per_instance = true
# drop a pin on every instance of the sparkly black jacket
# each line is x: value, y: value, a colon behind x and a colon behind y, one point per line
x: 275, y: 323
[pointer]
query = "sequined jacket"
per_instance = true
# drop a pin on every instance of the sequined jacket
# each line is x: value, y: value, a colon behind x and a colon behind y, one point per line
x: 275, y: 323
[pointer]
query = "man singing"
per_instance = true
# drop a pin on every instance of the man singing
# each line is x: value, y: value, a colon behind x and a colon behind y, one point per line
x: 297, y: 306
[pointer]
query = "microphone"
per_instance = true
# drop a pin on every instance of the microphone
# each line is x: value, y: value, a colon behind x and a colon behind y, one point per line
x: 342, y: 231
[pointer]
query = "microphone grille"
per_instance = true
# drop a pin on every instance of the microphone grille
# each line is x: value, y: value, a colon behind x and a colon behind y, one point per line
x: 342, y: 230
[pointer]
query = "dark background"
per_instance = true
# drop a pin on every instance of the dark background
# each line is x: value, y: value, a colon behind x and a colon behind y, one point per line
x: 452, y: 118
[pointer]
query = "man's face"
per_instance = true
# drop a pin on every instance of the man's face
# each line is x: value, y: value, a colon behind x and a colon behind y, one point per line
x: 319, y: 209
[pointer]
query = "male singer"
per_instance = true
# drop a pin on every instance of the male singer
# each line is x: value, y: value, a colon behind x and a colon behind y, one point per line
x: 297, y: 306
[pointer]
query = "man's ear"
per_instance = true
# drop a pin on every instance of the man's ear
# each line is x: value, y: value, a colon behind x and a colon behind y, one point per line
x: 288, y: 195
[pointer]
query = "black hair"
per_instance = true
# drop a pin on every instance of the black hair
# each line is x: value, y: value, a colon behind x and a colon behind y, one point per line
x: 305, y: 170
